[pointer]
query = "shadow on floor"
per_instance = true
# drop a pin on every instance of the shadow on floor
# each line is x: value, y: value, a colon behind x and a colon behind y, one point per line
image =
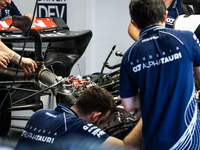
x: 10, y: 141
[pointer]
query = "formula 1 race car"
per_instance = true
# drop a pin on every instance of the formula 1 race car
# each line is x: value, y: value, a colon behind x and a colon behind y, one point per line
x: 51, y: 82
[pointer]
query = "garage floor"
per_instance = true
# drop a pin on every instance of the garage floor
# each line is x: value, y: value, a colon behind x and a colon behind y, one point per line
x: 11, y: 140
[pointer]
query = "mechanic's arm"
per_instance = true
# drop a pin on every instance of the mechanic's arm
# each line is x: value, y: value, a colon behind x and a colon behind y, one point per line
x: 30, y: 15
x: 133, y: 31
x: 133, y: 139
x: 4, y: 59
x: 27, y: 64
x: 8, y: 1
x: 131, y: 102
x: 197, y: 75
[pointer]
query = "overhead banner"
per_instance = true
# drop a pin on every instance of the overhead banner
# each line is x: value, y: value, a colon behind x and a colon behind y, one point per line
x: 52, y: 8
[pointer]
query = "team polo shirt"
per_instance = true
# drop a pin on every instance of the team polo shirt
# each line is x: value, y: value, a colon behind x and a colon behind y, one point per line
x: 160, y: 65
x: 9, y: 10
x: 50, y: 128
x: 174, y: 10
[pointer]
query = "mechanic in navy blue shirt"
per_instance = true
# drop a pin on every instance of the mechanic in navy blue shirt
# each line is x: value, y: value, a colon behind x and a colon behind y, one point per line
x: 156, y: 75
x: 64, y: 127
x: 9, y: 10
x: 174, y: 9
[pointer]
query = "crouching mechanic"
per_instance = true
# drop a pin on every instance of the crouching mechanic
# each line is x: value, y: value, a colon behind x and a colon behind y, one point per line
x: 66, y: 128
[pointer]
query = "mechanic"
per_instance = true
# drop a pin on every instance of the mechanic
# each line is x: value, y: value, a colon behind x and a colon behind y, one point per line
x: 11, y: 9
x: 50, y: 128
x: 174, y: 8
x: 156, y: 75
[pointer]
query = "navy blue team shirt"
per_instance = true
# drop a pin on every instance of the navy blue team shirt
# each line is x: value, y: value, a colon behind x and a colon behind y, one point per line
x: 174, y: 10
x: 160, y: 65
x: 9, y: 10
x: 47, y: 128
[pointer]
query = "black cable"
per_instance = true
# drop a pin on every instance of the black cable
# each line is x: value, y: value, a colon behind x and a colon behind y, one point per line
x: 104, y: 64
x: 28, y: 32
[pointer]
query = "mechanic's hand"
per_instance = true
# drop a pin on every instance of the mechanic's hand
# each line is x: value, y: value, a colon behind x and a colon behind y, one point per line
x: 30, y: 15
x: 4, y: 59
x: 4, y: 3
x: 8, y: 1
x: 28, y: 65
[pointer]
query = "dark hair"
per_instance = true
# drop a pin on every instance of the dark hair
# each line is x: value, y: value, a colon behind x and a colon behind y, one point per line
x: 95, y: 98
x: 147, y: 12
